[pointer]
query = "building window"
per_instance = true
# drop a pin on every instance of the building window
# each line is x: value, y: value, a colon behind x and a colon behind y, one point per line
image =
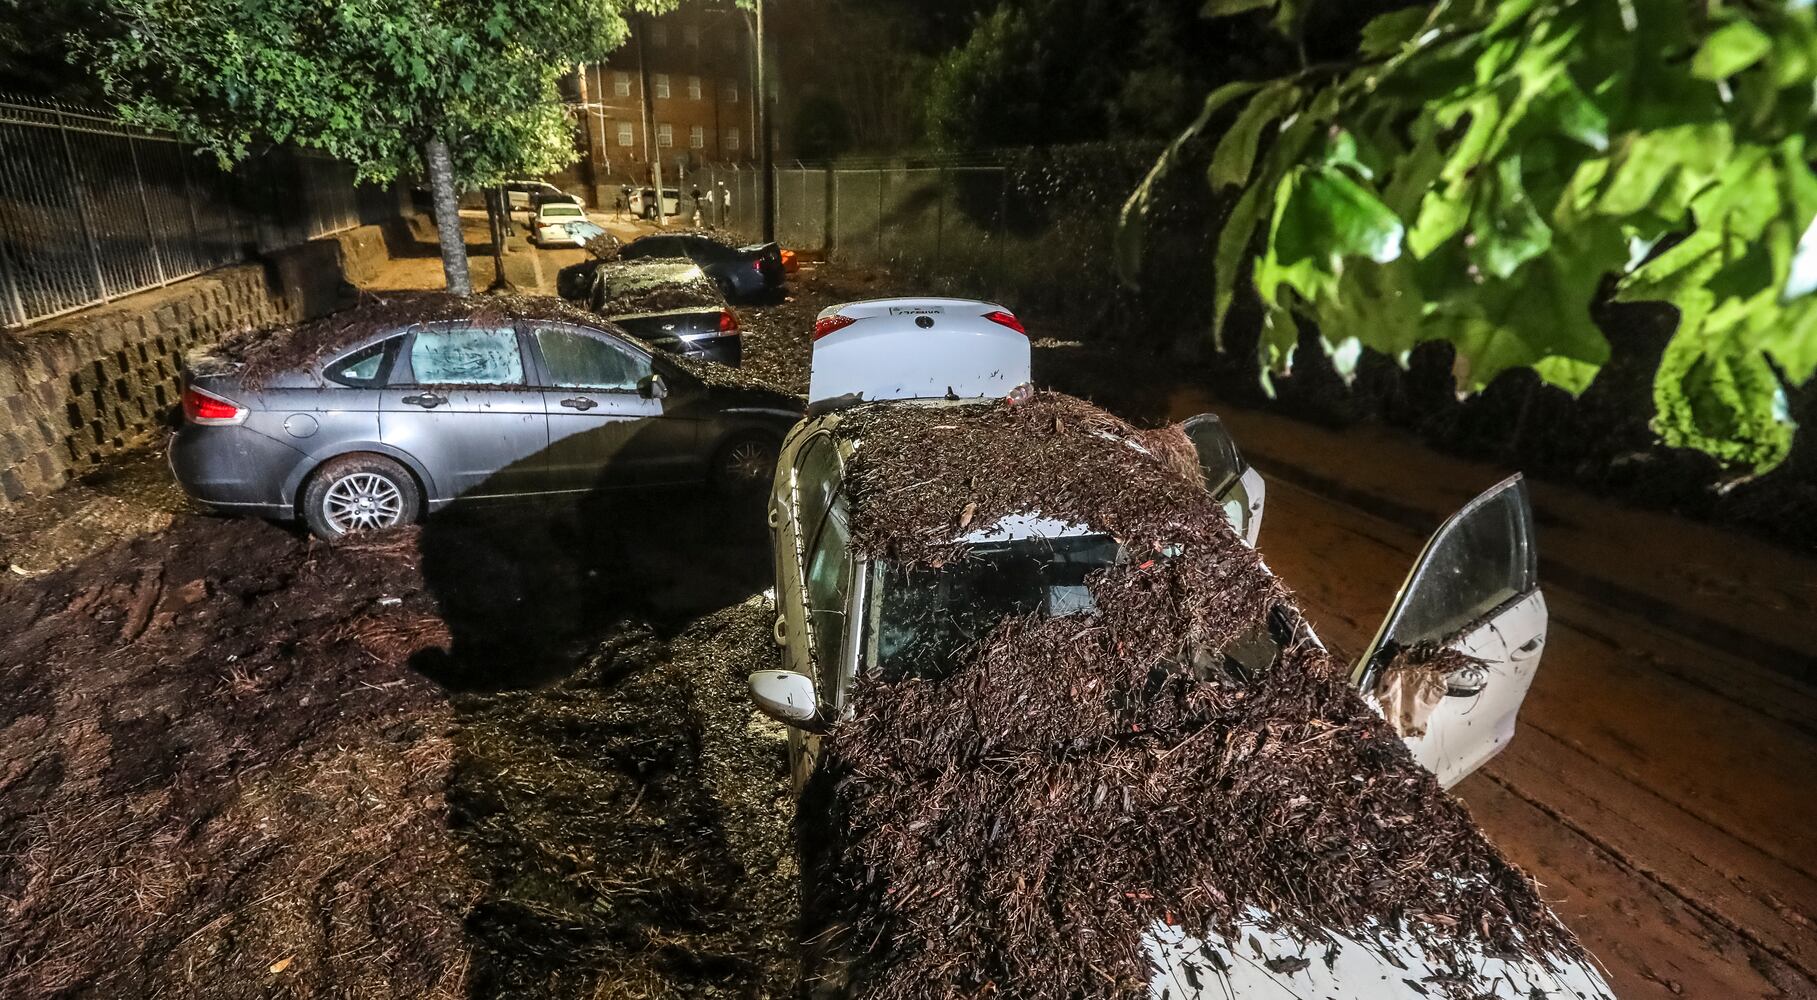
x: 697, y: 137
x: 728, y: 92
x: 659, y: 34
x: 625, y: 133
x: 693, y: 88
x: 691, y: 34
x: 665, y: 135
x: 621, y: 84
x: 731, y: 142
x: 662, y: 85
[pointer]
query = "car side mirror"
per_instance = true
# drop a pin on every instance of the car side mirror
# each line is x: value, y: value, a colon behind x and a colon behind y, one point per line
x: 652, y: 387
x: 787, y: 697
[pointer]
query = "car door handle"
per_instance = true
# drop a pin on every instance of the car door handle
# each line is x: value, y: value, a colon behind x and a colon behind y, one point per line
x: 579, y: 403
x: 427, y: 400
x: 1527, y: 650
x: 1466, y: 682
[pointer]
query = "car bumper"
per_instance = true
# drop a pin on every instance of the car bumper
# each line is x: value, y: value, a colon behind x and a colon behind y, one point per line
x: 234, y: 468
x: 728, y: 351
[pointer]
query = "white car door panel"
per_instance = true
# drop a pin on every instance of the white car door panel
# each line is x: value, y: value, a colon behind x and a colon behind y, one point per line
x: 1475, y: 590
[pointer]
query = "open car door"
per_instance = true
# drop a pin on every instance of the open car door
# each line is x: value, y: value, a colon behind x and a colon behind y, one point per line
x: 1235, y: 485
x: 1474, y: 591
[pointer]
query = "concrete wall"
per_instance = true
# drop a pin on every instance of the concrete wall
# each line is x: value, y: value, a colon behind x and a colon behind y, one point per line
x: 79, y: 388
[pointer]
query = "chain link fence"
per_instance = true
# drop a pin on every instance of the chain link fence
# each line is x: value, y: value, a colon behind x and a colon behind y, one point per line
x: 91, y: 210
x: 1033, y: 227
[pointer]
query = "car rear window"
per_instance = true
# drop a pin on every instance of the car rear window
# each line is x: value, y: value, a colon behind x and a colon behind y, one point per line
x: 562, y: 209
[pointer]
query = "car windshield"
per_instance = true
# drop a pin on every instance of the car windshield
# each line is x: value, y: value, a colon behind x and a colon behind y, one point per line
x: 925, y: 619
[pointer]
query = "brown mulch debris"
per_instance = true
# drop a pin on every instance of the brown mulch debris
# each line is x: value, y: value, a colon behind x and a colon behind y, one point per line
x: 265, y: 353
x: 203, y: 781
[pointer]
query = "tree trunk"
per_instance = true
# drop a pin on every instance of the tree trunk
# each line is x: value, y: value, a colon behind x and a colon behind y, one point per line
x: 497, y: 219
x: 447, y: 217
x: 655, y: 142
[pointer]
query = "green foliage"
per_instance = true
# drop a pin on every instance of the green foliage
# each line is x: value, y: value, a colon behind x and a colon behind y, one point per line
x: 366, y: 81
x: 1482, y: 168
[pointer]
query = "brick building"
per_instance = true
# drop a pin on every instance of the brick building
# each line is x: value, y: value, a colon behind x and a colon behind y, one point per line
x: 700, y: 70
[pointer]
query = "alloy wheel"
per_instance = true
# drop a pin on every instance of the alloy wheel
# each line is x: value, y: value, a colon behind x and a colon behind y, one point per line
x: 363, y: 501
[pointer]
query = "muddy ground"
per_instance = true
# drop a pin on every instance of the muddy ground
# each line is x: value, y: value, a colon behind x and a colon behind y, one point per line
x: 507, y: 753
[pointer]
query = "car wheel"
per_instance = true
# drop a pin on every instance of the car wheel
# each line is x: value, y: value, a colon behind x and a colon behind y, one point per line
x: 745, y: 464
x: 358, y: 493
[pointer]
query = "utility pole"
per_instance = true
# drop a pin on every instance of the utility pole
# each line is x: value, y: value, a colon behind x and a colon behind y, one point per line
x: 766, y: 164
x: 652, y: 143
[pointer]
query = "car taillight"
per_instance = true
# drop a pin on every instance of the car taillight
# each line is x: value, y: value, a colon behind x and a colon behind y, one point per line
x: 828, y: 324
x: 757, y: 265
x: 1002, y: 318
x: 207, y: 408
x: 728, y: 323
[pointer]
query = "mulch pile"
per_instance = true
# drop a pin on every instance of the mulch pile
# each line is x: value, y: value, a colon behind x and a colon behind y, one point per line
x: 641, y: 286
x: 1014, y: 827
x: 633, y: 823
x: 218, y: 777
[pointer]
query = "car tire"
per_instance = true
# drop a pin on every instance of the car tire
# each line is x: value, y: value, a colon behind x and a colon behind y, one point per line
x: 745, y: 464
x: 359, y: 493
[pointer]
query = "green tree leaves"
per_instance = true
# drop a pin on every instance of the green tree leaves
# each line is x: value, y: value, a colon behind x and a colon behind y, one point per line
x: 366, y: 81
x: 1486, y: 165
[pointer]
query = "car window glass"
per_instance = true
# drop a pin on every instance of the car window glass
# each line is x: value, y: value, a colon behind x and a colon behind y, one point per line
x: 463, y: 355
x: 361, y: 368
x: 1218, y: 458
x: 1481, y: 560
x: 579, y: 360
x: 816, y: 479
x: 926, y: 619
x: 829, y: 576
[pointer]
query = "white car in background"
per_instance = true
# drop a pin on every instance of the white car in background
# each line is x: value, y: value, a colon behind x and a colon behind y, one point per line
x: 1473, y: 589
x: 559, y: 223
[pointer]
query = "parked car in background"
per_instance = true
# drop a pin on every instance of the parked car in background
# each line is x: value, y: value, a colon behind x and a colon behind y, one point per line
x: 524, y: 196
x: 643, y: 202
x: 362, y: 421
x: 742, y: 273
x: 561, y: 223
x: 670, y: 305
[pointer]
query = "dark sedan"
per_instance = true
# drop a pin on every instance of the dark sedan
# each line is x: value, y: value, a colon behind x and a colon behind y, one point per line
x: 744, y: 273
x: 669, y: 304
x: 375, y: 430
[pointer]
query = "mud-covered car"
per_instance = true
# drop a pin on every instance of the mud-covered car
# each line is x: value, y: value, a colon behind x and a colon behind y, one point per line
x: 669, y: 304
x: 1057, y: 731
x: 371, y: 418
x: 743, y: 273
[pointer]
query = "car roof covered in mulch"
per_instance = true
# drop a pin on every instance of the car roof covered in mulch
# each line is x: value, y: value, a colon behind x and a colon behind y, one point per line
x: 302, y: 346
x: 1013, y: 827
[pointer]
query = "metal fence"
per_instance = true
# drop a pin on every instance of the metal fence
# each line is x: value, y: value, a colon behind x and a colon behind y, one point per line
x: 91, y: 209
x: 1029, y: 226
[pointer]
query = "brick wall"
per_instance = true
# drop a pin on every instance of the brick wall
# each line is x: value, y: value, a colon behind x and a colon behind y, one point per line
x: 80, y: 388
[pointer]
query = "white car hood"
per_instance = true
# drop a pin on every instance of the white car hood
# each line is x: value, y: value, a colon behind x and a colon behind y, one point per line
x: 1389, y: 965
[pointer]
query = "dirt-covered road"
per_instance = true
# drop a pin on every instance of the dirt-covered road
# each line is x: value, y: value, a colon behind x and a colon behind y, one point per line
x: 507, y: 753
